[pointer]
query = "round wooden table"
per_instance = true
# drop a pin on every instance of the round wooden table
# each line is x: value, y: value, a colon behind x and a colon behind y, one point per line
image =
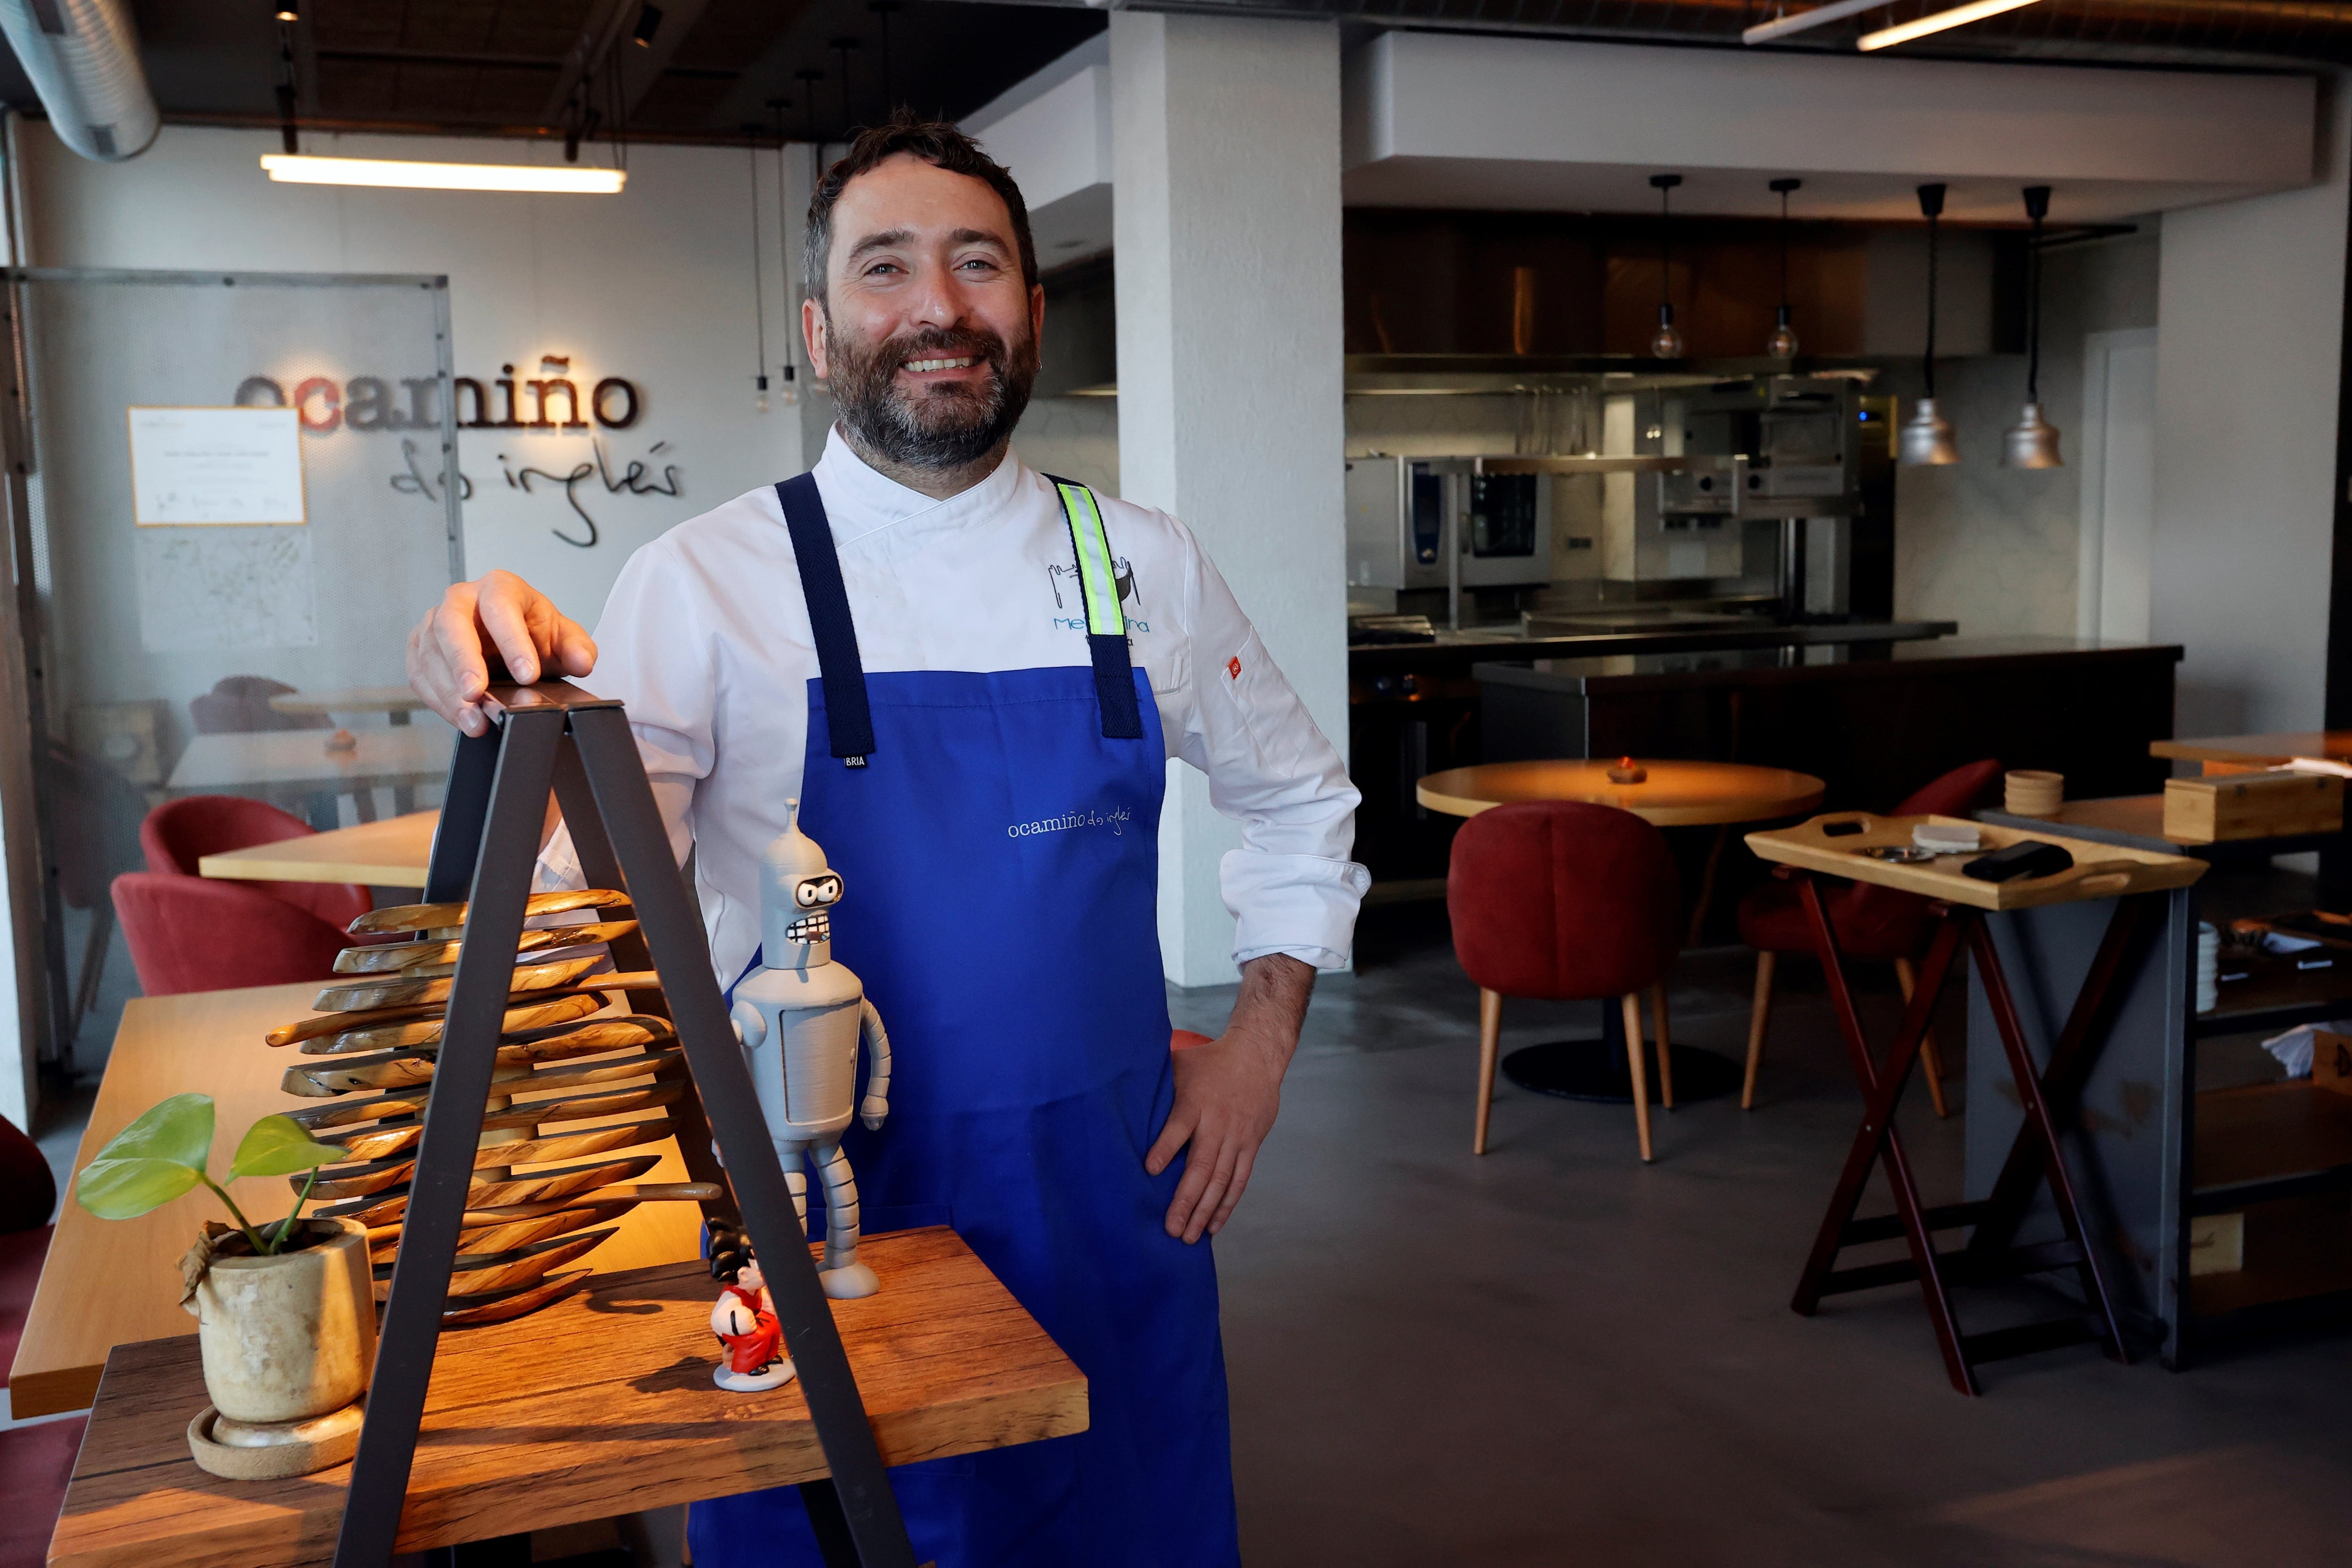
x: 1674, y: 795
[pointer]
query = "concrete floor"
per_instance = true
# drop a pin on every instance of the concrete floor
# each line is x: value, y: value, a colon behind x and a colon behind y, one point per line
x: 1555, y: 1354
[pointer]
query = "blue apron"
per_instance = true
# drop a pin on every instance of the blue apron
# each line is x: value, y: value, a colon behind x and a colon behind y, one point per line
x: 997, y: 835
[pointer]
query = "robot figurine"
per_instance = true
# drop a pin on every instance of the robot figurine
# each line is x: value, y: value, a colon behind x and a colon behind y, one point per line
x: 744, y: 1318
x: 800, y: 1018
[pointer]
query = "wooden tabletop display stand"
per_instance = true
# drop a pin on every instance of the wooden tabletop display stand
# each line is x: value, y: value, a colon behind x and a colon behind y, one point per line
x: 556, y: 736
x: 2048, y: 1094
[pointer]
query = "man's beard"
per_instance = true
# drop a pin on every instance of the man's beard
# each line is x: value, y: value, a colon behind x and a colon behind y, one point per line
x: 940, y: 426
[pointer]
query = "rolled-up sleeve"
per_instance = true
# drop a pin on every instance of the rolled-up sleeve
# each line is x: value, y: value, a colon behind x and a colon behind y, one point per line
x: 1290, y: 888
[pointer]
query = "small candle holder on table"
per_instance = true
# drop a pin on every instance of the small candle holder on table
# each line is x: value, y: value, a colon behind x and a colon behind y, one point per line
x: 1835, y: 846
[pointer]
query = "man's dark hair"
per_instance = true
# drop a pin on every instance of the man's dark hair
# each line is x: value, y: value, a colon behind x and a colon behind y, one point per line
x: 935, y: 142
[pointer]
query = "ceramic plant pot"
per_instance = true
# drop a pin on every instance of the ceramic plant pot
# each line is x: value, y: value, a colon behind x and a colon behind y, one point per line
x: 292, y: 1336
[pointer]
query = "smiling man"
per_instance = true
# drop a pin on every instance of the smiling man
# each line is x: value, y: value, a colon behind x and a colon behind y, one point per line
x: 973, y: 677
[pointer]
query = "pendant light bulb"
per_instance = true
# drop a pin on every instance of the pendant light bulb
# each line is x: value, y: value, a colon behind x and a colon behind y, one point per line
x: 2032, y: 441
x: 1926, y: 439
x: 1666, y: 343
x: 1782, y: 344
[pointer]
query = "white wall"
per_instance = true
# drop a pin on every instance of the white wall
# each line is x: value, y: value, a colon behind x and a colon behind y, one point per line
x: 1226, y: 141
x: 654, y: 285
x: 1464, y: 121
x: 1053, y: 131
x: 1996, y: 548
x: 2249, y: 322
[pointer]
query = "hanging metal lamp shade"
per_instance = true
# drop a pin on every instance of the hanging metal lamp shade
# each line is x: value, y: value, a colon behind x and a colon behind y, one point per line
x: 2032, y: 441
x: 1926, y: 440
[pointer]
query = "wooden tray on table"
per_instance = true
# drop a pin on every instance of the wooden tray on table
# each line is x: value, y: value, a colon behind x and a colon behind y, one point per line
x: 2100, y: 871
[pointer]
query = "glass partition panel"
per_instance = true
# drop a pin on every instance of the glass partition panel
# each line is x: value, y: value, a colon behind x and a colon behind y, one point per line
x: 240, y: 498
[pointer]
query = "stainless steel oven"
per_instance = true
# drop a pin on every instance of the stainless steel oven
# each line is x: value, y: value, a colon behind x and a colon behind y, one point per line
x: 1431, y: 522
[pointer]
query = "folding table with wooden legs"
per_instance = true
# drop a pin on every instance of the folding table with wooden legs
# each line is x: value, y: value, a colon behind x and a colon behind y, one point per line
x: 2048, y: 1095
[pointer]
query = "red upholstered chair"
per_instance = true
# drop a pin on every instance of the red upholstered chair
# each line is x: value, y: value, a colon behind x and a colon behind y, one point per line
x: 1563, y: 901
x: 35, y: 1461
x: 191, y: 934
x: 1870, y: 922
x: 179, y: 834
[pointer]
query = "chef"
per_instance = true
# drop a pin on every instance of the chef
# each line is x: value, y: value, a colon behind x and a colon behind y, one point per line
x: 972, y: 678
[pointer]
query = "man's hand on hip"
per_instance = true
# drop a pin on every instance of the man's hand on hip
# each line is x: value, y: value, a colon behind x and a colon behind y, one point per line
x: 1227, y: 1093
x: 447, y: 666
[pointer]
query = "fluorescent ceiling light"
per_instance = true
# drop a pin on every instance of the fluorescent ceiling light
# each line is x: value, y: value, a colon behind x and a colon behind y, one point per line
x: 1958, y: 16
x: 1780, y: 28
x: 305, y: 171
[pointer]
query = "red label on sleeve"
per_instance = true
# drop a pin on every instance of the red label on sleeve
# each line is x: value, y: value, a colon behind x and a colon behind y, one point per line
x: 1234, y: 668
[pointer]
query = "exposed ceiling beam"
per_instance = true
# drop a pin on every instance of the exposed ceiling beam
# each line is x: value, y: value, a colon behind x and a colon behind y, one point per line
x: 643, y: 66
x: 604, y: 39
x: 393, y: 55
x: 587, y: 55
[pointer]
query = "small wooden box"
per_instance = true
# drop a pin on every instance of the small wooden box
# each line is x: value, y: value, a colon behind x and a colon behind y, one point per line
x: 2278, y: 805
x: 2331, y: 1061
x: 2217, y: 1244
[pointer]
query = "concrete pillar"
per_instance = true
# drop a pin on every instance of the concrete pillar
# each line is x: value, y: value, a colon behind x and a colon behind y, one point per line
x: 2250, y: 313
x: 1225, y: 152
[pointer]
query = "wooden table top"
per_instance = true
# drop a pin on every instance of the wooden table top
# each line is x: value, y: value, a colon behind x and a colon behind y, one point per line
x: 1675, y: 795
x: 350, y: 699
x: 299, y: 759
x: 112, y: 1282
x: 392, y: 853
x: 2100, y: 871
x: 601, y: 1402
x: 2265, y: 749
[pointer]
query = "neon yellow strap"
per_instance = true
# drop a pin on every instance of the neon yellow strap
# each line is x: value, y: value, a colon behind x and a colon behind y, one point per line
x: 1098, y: 580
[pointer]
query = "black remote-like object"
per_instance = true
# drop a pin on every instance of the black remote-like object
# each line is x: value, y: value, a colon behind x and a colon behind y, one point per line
x: 2026, y: 857
x: 1845, y: 829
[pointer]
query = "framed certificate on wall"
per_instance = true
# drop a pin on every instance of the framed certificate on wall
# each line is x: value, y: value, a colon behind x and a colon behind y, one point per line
x: 215, y: 466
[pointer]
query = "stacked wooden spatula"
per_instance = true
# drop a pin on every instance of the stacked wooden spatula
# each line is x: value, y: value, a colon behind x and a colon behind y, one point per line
x: 367, y: 1063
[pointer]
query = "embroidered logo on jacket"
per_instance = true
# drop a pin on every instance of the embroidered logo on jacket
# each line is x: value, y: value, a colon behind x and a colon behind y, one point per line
x: 1130, y: 600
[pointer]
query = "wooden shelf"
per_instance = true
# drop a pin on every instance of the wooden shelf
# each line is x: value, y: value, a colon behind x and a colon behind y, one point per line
x: 601, y: 1404
x: 2296, y: 1248
x: 2267, y: 1133
x: 2277, y: 995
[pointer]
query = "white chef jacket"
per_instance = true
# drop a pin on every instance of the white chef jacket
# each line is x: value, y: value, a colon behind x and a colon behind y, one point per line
x: 707, y: 639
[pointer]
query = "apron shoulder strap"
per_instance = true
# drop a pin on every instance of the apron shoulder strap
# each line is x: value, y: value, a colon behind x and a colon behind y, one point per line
x: 848, y: 719
x: 1122, y: 717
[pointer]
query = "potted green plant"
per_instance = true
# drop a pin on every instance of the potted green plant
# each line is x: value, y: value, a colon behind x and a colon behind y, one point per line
x: 285, y: 1310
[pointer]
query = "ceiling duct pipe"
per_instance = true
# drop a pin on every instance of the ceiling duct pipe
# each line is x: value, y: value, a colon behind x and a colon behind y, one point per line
x: 83, y: 59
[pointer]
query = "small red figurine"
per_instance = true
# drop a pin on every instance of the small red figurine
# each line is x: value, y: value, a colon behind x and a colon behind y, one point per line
x: 744, y: 1318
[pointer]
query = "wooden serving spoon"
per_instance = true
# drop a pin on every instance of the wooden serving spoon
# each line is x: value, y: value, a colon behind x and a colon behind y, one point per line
x: 408, y: 957
x: 483, y: 1275
x: 427, y: 917
x: 407, y: 991
x: 488, y: 1192
x: 347, y: 1111
x: 387, y: 1139
x: 337, y: 1023
x: 501, y: 1309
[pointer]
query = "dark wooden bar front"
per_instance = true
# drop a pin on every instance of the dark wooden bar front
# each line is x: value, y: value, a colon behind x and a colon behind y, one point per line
x: 1873, y: 721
